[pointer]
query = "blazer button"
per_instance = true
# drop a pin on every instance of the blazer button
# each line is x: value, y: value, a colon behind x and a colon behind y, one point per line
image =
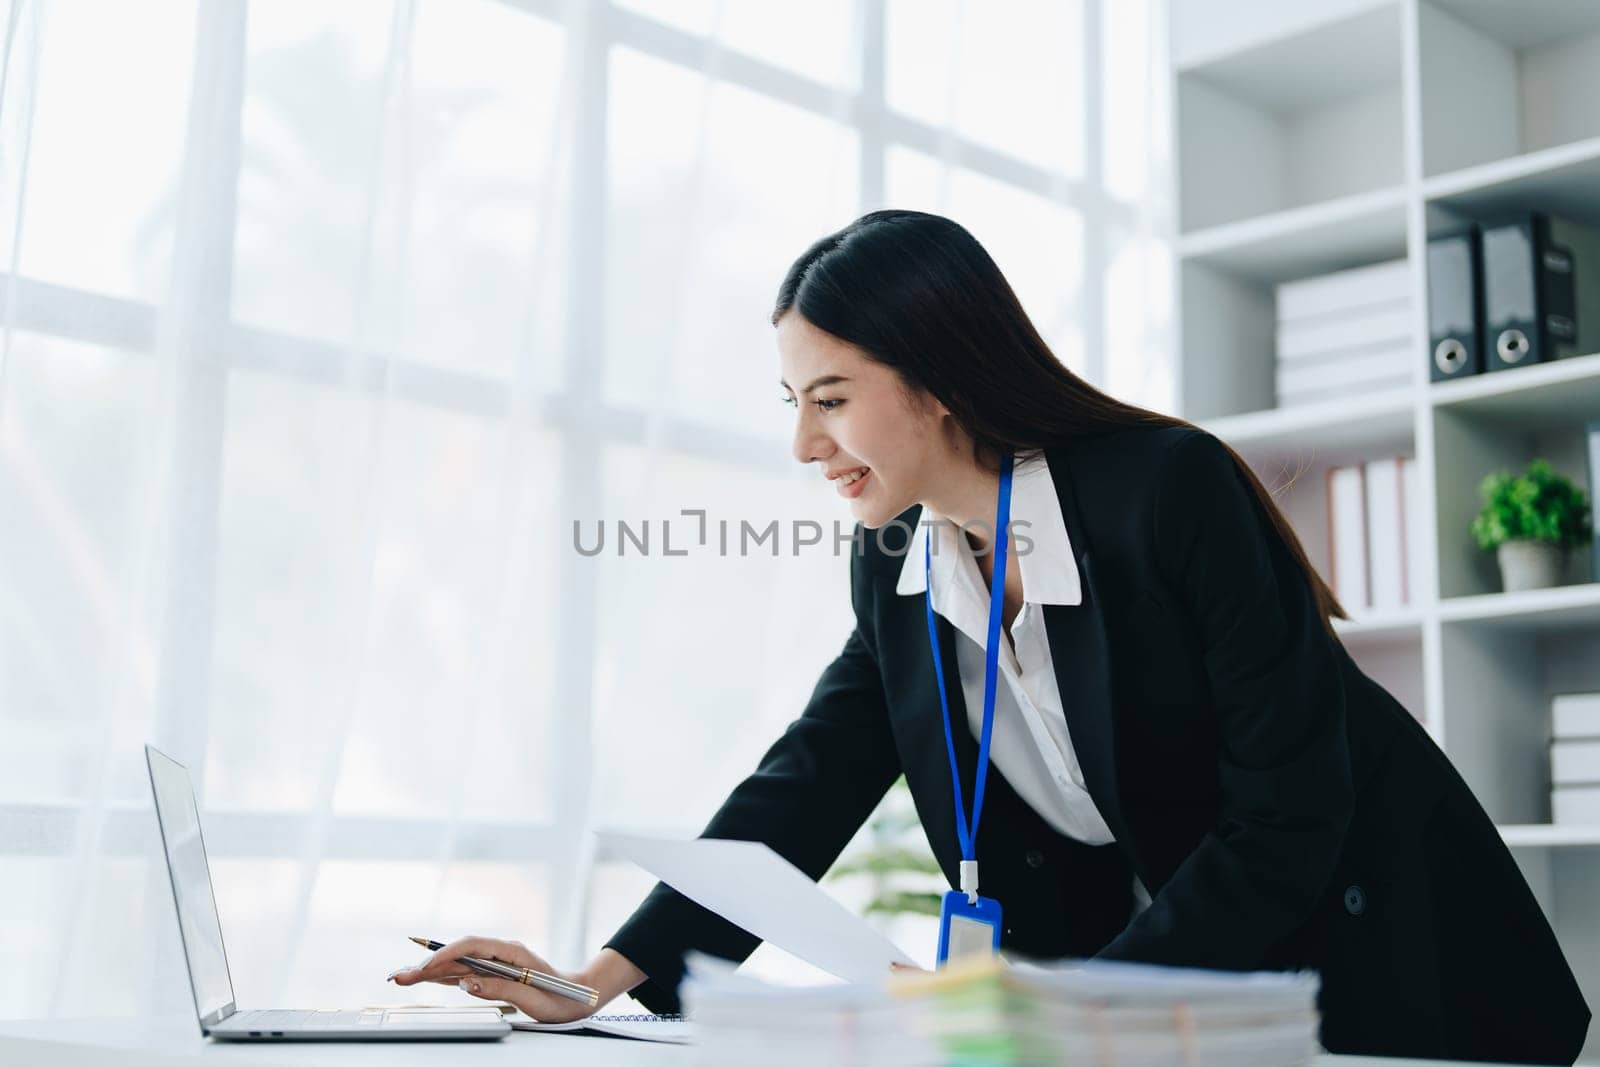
x: 1355, y: 900
x: 1034, y: 858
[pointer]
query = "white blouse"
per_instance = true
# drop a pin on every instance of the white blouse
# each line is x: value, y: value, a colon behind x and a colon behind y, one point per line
x: 1030, y: 743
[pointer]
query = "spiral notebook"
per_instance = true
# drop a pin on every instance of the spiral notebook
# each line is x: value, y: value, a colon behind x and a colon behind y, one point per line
x: 672, y: 1029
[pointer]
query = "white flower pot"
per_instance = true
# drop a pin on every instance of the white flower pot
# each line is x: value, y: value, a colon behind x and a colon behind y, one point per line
x: 1527, y: 564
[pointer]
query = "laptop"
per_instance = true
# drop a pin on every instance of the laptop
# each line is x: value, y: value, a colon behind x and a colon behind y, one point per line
x: 209, y: 978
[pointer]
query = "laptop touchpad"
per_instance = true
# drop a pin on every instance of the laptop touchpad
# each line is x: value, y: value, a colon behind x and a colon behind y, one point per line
x: 439, y: 1018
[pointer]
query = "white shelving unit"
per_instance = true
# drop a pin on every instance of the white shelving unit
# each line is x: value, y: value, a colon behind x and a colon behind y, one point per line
x: 1325, y: 134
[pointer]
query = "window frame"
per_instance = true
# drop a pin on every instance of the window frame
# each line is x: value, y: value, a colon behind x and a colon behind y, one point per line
x: 576, y: 409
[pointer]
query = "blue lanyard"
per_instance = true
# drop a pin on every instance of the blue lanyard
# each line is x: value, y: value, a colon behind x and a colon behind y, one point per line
x: 991, y: 663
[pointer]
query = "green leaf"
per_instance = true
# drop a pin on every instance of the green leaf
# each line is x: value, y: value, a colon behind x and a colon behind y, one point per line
x: 905, y: 903
x: 1538, y: 505
x: 887, y: 861
x: 894, y: 822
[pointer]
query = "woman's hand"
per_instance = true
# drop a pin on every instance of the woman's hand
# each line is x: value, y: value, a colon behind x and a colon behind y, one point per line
x: 446, y: 968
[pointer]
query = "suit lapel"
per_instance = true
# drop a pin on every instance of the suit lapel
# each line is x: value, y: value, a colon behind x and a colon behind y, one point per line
x: 961, y: 739
x: 1079, y: 651
x: 1082, y: 661
x: 919, y: 724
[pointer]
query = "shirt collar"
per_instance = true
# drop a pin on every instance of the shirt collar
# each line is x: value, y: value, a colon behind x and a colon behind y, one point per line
x: 1049, y: 568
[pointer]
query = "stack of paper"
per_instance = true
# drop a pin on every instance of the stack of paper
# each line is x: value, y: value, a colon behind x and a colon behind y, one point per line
x: 1344, y: 334
x: 740, y: 1020
x: 975, y: 1012
x: 983, y: 1011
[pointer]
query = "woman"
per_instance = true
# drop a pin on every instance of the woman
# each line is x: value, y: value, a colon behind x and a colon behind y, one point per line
x: 1177, y: 720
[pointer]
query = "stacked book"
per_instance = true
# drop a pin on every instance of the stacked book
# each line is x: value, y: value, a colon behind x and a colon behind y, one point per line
x: 1344, y: 334
x: 1374, y: 530
x: 983, y: 1011
x: 1575, y: 758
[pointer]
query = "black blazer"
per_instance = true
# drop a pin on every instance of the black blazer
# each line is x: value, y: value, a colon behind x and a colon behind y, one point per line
x: 1282, y: 809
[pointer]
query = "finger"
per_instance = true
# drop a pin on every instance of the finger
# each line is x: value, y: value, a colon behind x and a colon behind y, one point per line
x: 471, y: 946
x: 409, y: 975
x: 448, y: 974
x: 444, y: 960
x: 487, y: 988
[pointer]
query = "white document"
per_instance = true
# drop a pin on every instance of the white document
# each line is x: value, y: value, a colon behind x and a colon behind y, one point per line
x: 1411, y: 490
x: 1386, y: 324
x: 1385, y: 533
x: 1347, y: 535
x: 1575, y: 761
x: 1346, y: 290
x: 665, y: 1029
x: 758, y: 890
x: 1578, y: 804
x: 1290, y: 398
x: 1385, y: 364
x: 1576, y: 714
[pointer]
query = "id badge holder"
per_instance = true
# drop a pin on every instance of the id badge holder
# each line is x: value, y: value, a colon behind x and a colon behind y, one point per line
x: 968, y: 929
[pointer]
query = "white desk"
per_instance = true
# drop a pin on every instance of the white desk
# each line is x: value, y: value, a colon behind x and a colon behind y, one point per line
x: 171, y: 1042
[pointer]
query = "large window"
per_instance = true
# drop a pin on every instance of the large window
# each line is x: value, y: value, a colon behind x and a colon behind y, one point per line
x: 322, y: 326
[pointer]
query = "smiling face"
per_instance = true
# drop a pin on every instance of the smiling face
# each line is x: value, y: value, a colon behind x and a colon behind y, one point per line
x: 880, y: 444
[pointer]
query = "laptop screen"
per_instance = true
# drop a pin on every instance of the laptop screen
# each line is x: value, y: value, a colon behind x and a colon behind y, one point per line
x: 191, y: 885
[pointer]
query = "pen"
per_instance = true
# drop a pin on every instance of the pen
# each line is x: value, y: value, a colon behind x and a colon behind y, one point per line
x: 538, y: 979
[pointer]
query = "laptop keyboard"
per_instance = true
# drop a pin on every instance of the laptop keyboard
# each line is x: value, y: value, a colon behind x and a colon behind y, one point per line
x: 283, y: 1020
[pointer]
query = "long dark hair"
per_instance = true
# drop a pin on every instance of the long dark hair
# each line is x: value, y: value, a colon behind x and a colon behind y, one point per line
x: 918, y: 293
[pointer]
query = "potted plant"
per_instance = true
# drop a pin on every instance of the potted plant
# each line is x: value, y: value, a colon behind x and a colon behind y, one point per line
x: 1530, y: 521
x: 903, y: 876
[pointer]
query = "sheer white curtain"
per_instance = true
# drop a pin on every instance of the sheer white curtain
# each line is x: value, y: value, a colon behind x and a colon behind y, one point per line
x: 322, y: 326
